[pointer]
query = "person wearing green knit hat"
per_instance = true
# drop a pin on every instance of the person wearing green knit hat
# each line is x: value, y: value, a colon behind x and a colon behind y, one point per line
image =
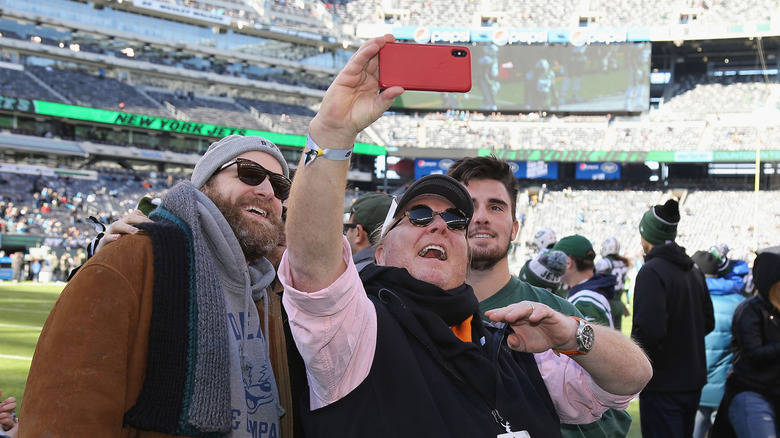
x: 672, y: 314
x: 659, y: 224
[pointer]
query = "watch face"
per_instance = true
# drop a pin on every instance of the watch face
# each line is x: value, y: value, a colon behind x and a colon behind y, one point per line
x: 586, y: 338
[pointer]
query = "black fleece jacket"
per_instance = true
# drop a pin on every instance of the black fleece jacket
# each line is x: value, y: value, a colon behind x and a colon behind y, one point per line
x: 672, y: 314
x: 755, y: 337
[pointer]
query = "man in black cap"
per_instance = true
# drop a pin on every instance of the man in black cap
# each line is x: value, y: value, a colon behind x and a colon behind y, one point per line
x: 402, y: 350
x: 366, y: 216
x: 672, y: 314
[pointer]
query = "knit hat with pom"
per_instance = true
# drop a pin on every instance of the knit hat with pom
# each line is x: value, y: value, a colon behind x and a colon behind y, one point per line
x: 659, y: 224
x: 546, y: 270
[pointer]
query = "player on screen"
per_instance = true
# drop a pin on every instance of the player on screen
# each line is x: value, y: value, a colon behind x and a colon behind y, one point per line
x: 541, y: 94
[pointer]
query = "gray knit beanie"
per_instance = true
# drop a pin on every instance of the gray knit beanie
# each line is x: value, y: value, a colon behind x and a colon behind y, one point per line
x: 546, y: 270
x: 224, y: 150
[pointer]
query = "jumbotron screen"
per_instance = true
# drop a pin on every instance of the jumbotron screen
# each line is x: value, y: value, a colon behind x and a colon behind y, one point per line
x: 597, y: 78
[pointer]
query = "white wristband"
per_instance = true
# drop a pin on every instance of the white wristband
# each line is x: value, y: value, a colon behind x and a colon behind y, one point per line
x: 313, y: 151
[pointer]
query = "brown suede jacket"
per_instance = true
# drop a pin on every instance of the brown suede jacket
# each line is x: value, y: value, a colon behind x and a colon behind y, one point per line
x: 90, y: 360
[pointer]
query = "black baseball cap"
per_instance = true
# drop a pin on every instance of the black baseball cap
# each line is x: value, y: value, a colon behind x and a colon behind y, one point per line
x: 435, y: 184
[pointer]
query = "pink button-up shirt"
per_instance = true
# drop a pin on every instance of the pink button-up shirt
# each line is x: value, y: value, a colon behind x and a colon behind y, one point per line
x: 335, y: 330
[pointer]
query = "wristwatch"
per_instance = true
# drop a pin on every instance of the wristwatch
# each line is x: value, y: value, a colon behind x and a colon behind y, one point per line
x: 585, y: 338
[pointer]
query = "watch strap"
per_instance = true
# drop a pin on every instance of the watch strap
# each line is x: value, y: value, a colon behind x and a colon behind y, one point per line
x: 313, y: 151
x: 577, y: 352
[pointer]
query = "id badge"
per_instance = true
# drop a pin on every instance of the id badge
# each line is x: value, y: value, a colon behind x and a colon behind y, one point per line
x: 521, y: 434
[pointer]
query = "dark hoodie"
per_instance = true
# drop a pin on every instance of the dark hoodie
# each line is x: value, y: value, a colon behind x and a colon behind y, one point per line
x: 672, y: 314
x: 601, y: 283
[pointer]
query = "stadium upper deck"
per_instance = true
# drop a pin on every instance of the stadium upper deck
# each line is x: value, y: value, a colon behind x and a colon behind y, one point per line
x: 141, y: 57
x: 564, y: 13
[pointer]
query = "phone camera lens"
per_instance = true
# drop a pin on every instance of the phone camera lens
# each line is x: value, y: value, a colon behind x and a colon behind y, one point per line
x: 459, y: 53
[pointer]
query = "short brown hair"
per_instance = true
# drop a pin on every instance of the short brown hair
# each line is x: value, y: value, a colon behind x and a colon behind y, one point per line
x: 490, y: 167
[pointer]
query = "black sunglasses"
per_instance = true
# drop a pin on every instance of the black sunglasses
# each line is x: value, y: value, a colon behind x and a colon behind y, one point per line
x: 422, y: 216
x: 347, y: 227
x: 253, y: 174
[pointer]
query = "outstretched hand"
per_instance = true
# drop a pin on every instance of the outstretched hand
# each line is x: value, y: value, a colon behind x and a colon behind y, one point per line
x: 537, y: 327
x: 353, y: 101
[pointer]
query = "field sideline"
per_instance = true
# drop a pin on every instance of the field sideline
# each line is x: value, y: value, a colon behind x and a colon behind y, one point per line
x: 23, y: 310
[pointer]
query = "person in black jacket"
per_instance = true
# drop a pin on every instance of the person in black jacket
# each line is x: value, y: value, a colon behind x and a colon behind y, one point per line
x: 750, y: 405
x: 672, y: 314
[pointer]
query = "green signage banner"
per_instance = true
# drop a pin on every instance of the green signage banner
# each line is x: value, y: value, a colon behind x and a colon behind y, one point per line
x: 577, y: 156
x: 632, y: 157
x: 179, y: 126
x: 17, y: 104
x: 768, y: 155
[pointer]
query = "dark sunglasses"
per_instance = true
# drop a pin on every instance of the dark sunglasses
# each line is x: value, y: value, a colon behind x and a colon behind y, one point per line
x: 253, y: 174
x: 422, y: 216
x: 347, y: 227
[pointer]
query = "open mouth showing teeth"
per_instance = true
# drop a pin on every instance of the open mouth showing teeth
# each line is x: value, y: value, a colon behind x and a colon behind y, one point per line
x: 257, y: 211
x: 434, y: 252
x: 480, y: 236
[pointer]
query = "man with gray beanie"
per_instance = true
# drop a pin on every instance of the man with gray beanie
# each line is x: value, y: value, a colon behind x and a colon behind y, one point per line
x: 672, y: 314
x: 169, y: 331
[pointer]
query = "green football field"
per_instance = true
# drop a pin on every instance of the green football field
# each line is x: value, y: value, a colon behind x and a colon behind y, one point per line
x: 23, y: 310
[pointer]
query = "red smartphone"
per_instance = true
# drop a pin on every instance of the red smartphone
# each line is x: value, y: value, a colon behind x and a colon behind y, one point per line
x: 425, y: 67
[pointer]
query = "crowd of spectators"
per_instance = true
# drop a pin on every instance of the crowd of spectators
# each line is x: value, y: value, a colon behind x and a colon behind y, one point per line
x: 744, y: 220
x: 325, y: 17
x: 57, y: 209
x: 564, y: 13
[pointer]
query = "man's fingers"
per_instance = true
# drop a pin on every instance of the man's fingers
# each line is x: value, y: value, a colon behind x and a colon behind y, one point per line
x: 517, y: 312
x: 136, y: 217
x: 362, y: 59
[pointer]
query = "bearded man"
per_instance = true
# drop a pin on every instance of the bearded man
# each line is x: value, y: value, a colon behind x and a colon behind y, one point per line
x: 165, y: 332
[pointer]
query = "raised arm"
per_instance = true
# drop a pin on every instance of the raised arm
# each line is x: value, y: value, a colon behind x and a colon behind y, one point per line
x: 615, y: 363
x: 314, y: 222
